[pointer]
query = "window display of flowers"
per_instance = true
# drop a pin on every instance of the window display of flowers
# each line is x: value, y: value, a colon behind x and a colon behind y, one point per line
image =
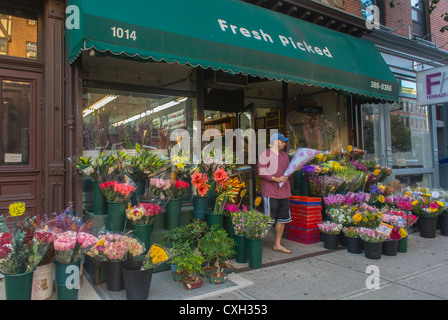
x: 116, y: 247
x: 371, y: 235
x: 143, y: 213
x: 116, y: 191
x: 330, y: 227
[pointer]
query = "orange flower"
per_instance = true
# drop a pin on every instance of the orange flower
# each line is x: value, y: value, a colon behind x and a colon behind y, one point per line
x: 220, y: 176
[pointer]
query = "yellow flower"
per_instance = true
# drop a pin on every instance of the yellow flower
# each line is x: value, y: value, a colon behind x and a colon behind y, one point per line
x: 381, y: 198
x: 350, y: 148
x: 257, y: 201
x: 403, y: 233
x: 432, y: 209
x: 440, y: 203
x: 319, y: 156
x: 324, y: 158
x: 376, y: 172
x: 357, y: 217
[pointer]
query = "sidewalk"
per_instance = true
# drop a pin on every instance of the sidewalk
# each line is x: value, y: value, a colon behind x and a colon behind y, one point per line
x: 312, y: 272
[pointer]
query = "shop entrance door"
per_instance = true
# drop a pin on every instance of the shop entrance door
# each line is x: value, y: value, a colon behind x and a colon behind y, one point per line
x: 401, y: 136
x: 20, y: 127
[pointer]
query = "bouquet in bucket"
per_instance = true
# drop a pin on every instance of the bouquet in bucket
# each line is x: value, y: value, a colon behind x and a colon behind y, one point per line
x: 72, y: 236
x: 427, y: 203
x: 228, y: 189
x: 157, y: 255
x: 143, y: 213
x: 116, y: 247
x: 330, y: 227
x: 371, y: 235
x: 177, y: 189
x: 23, y: 250
x: 119, y: 189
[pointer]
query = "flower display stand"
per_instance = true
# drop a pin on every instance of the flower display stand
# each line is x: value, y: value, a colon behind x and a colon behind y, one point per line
x: 137, y: 282
x: 200, y: 207
x: 143, y: 233
x: 215, y: 219
x: 173, y: 210
x: 116, y: 215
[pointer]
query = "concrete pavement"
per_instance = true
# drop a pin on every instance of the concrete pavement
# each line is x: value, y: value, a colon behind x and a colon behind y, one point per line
x: 314, y: 273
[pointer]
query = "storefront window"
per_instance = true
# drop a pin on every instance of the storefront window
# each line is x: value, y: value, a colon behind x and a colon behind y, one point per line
x: 115, y: 120
x: 18, y: 35
x: 15, y: 122
x: 410, y: 135
x: 415, y: 180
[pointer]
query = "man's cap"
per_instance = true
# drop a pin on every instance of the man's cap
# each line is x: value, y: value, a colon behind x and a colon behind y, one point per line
x: 278, y: 136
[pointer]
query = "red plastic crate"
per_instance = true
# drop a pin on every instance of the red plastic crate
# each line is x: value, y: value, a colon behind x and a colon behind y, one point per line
x: 305, y: 236
x: 306, y: 201
x: 304, y: 209
x: 309, y: 221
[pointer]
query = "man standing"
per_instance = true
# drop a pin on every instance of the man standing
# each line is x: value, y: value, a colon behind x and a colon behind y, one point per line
x: 272, y: 163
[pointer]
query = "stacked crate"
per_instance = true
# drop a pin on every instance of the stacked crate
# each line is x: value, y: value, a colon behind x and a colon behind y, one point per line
x: 306, y: 214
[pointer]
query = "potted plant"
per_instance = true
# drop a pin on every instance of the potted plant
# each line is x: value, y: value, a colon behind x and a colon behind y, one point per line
x: 191, y: 262
x: 257, y: 226
x: 372, y: 242
x: 115, y: 249
x: 217, y: 246
x: 427, y: 208
x: 352, y: 239
x: 142, y: 217
x: 137, y: 275
x: 200, y: 201
x: 330, y: 231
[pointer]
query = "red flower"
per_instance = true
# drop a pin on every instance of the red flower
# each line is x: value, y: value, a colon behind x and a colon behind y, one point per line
x: 179, y: 184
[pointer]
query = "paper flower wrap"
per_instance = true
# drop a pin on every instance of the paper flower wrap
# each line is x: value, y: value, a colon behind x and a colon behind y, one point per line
x: 302, y: 156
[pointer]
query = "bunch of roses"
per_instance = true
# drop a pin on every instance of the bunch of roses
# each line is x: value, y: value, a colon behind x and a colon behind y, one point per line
x: 115, y: 191
x: 115, y: 247
x: 199, y: 182
x: 42, y: 240
x: 143, y: 213
x: 71, y: 246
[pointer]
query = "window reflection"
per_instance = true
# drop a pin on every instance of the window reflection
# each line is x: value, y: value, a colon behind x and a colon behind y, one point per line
x: 18, y: 36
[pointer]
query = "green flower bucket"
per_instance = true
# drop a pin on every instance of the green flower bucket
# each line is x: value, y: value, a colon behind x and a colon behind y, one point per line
x: 173, y: 209
x: 403, y: 245
x: 99, y: 200
x: 255, y: 252
x: 143, y: 233
x: 215, y: 219
x: 240, y: 248
x: 19, y: 286
x: 67, y: 280
x: 116, y: 215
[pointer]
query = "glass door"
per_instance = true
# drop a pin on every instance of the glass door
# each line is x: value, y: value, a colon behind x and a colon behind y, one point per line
x: 400, y: 136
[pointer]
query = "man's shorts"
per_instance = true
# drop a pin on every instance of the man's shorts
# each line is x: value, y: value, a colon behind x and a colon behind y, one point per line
x: 278, y: 209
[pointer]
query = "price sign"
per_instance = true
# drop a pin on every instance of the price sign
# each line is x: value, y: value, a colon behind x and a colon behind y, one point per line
x: 384, y: 228
x: 17, y: 209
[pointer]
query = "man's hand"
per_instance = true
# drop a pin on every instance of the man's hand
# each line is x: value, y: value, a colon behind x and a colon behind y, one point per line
x: 280, y: 179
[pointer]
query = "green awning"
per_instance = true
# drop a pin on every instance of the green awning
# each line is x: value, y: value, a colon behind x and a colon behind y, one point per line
x: 232, y: 36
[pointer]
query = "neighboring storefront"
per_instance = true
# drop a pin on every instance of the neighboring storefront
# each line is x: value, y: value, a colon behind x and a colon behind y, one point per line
x: 406, y: 136
x: 141, y: 81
